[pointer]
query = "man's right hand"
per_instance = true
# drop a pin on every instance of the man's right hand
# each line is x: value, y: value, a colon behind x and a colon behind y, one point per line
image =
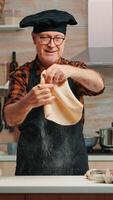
x: 40, y: 95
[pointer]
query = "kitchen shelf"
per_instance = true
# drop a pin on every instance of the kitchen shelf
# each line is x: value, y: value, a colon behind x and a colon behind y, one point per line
x: 12, y: 27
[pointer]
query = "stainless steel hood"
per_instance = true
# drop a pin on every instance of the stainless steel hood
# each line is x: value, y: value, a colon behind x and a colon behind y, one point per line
x: 100, y: 34
x: 96, y: 56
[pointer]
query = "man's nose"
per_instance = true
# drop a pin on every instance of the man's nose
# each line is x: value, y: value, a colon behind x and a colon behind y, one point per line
x: 51, y: 43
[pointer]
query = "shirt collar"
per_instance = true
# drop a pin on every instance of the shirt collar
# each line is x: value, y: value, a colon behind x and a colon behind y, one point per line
x: 39, y: 67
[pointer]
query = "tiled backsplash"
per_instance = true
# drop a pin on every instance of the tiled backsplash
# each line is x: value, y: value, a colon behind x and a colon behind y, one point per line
x: 99, y: 109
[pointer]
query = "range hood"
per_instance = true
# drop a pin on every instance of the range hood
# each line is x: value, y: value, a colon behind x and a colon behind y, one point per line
x: 100, y: 34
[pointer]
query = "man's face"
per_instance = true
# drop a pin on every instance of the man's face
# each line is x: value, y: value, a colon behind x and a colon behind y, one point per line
x: 49, y: 46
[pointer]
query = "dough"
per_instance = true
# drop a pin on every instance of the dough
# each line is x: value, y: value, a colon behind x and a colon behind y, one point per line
x: 65, y: 109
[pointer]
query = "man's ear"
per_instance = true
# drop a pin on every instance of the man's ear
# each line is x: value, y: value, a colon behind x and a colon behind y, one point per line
x: 33, y: 37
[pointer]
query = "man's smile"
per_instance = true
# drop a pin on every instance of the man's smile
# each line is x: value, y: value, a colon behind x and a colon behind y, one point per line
x: 50, y: 52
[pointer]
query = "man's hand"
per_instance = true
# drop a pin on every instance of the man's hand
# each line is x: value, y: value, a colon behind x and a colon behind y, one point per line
x: 88, y: 78
x: 40, y: 95
x: 57, y: 73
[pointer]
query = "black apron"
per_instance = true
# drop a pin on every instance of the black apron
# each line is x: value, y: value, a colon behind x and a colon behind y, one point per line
x: 47, y: 148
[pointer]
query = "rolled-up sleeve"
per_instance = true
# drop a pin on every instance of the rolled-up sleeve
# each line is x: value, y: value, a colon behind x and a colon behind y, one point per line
x: 17, y: 86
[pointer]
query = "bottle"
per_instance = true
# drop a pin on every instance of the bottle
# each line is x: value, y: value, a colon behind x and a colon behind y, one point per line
x: 14, y: 63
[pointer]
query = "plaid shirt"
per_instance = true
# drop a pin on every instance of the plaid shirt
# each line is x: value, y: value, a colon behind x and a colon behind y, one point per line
x: 19, y: 81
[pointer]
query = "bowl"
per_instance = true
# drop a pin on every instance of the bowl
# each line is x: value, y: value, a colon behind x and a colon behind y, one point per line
x: 99, y: 178
x: 90, y: 141
x: 108, y: 179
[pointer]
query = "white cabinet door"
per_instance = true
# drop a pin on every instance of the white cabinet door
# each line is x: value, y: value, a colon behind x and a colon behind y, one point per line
x: 100, y: 23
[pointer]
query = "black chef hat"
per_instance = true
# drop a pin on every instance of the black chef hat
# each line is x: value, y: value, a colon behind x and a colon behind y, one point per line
x: 49, y: 20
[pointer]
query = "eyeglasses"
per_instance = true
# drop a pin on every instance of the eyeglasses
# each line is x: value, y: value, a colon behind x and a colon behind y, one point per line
x: 46, y: 40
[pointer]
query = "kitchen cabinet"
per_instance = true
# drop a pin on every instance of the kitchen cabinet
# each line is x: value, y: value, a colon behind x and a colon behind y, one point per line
x: 56, y: 196
x: 12, y: 197
x: 97, y: 10
x: 69, y: 197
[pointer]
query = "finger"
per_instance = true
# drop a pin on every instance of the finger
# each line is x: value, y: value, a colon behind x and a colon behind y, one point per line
x: 59, y: 77
x: 39, y: 86
x: 50, y: 75
x: 43, y: 86
x: 45, y: 91
x: 62, y: 79
x: 44, y: 101
x: 49, y: 100
x: 36, y: 92
x: 44, y: 96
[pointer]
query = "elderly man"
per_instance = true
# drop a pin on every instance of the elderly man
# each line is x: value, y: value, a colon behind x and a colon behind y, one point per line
x: 46, y: 147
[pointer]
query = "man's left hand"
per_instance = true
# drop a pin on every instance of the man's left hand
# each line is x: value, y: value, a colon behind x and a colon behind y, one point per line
x: 58, y: 73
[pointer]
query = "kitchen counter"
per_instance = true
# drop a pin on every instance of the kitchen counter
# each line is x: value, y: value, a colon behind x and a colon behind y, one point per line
x: 99, y: 158
x: 96, y: 158
x: 52, y: 184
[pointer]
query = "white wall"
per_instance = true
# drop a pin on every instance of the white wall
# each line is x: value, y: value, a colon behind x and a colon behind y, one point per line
x: 100, y: 23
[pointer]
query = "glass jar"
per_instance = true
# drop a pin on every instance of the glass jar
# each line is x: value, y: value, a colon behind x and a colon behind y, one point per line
x: 11, y: 16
